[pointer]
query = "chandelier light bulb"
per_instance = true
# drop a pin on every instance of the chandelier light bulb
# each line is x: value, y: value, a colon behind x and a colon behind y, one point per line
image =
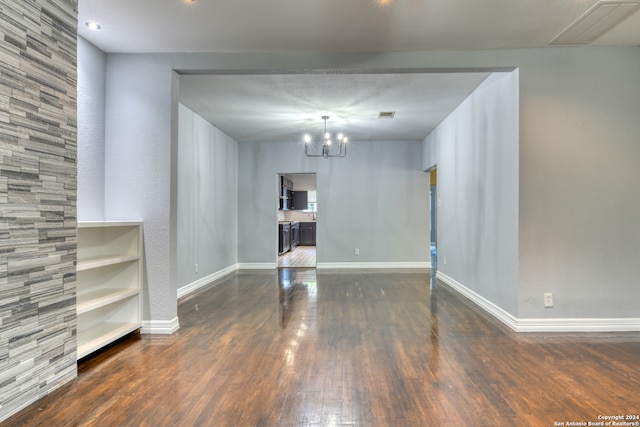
x: 307, y: 138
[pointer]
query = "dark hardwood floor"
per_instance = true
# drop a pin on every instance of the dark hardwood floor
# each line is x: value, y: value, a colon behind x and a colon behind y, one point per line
x: 345, y: 348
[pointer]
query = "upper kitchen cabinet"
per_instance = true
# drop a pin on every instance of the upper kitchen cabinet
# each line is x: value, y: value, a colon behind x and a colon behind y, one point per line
x: 299, y: 201
x: 297, y: 190
x: 285, y: 202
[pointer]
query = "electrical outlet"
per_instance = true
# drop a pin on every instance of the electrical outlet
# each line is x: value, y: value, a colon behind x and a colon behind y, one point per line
x: 548, y: 299
x: 444, y: 260
x: 196, y: 268
x: 356, y: 251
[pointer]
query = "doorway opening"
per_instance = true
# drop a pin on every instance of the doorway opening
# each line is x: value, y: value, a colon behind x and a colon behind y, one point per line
x: 297, y: 214
x: 433, y: 208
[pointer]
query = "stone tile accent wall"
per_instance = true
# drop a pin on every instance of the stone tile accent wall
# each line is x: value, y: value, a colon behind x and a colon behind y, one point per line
x: 38, y: 234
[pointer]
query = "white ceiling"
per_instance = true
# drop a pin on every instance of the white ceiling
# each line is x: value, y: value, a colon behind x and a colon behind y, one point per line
x: 283, y: 107
x: 276, y: 107
x: 335, y: 25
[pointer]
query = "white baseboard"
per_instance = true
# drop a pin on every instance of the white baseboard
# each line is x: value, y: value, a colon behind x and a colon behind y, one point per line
x: 204, y: 281
x: 543, y: 325
x: 257, y: 266
x: 164, y: 327
x: 497, y: 312
x: 579, y: 325
x: 350, y: 265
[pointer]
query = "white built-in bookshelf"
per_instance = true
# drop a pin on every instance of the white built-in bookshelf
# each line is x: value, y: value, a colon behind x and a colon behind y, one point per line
x: 109, y: 278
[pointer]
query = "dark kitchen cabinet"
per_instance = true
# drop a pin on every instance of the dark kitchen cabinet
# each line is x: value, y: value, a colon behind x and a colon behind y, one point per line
x: 284, y: 240
x: 285, y: 198
x: 299, y: 200
x: 307, y: 234
x: 295, y: 234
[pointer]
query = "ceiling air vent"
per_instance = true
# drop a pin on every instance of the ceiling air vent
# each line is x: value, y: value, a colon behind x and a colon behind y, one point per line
x: 386, y: 114
x: 602, y: 16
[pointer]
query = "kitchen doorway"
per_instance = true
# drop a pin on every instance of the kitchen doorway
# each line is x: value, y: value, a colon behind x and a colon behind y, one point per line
x: 433, y: 208
x: 297, y: 214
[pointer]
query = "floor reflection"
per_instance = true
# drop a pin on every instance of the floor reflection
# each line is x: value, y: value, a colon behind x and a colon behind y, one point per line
x: 433, y: 294
x: 297, y: 287
x: 433, y: 305
x: 433, y: 308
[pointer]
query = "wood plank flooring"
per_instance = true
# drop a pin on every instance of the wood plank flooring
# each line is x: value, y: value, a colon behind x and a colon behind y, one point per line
x: 294, y: 347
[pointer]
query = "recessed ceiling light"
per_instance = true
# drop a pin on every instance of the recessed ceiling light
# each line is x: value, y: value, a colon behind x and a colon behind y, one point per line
x: 92, y: 25
x: 386, y: 114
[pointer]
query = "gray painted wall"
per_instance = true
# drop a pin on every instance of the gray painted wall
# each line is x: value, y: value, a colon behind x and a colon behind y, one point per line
x: 578, y: 110
x: 476, y: 152
x: 91, y: 105
x: 579, y: 198
x: 140, y: 174
x: 207, y: 198
x: 578, y: 209
x: 375, y: 199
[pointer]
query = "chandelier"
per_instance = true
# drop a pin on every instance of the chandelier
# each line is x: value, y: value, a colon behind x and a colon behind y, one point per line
x: 328, y: 142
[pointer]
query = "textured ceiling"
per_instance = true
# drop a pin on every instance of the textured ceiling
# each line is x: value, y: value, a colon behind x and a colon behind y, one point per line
x: 335, y: 25
x: 283, y: 107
